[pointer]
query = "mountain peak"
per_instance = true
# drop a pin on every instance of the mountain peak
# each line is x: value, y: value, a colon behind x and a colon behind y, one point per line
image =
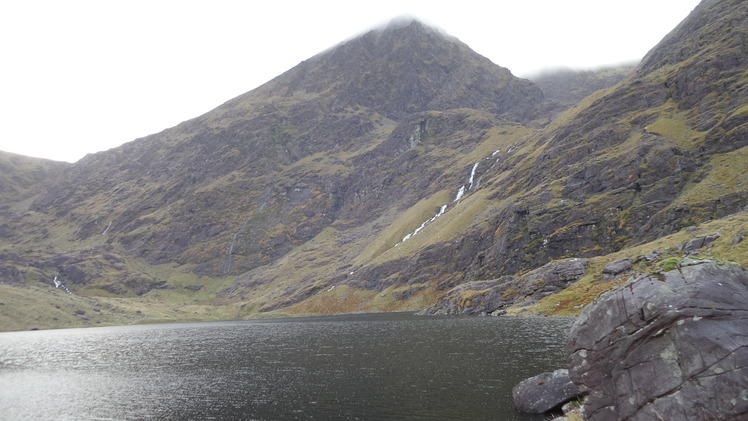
x: 404, y: 21
x: 407, y: 67
x: 413, y: 25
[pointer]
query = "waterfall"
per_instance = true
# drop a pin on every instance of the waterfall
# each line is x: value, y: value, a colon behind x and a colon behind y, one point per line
x: 423, y: 225
x: 460, y: 193
x: 227, y: 266
x: 472, y: 175
x: 59, y: 284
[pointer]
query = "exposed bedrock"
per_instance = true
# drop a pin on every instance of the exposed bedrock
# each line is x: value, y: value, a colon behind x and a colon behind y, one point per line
x: 669, y: 346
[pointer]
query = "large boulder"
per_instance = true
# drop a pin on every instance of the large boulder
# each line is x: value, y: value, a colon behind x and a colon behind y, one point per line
x: 666, y: 346
x: 544, y: 392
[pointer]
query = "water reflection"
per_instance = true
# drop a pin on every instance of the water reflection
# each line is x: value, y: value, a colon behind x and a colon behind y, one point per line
x: 387, y: 366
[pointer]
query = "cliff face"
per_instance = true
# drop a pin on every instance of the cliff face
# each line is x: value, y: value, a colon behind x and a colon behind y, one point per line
x: 392, y: 167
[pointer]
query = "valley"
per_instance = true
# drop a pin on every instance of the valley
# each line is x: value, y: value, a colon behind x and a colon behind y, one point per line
x: 386, y: 173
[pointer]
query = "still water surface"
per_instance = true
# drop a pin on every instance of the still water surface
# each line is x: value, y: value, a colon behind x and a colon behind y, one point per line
x: 366, y: 367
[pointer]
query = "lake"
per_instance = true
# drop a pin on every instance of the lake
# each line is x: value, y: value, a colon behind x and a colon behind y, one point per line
x: 353, y: 367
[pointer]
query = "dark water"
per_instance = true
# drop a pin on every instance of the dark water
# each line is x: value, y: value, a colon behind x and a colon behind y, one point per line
x: 366, y: 367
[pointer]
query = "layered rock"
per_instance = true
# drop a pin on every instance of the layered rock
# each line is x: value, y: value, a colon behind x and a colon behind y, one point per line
x: 670, y: 345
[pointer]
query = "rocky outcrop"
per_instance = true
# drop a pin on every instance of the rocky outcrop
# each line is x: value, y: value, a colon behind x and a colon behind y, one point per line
x: 697, y: 243
x: 482, y: 297
x: 669, y: 346
x: 490, y: 297
x: 11, y: 275
x: 554, y: 276
x: 544, y: 392
x: 618, y: 267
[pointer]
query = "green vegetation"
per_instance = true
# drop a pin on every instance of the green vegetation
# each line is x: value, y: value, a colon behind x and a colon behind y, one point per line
x: 674, y: 127
x: 671, y: 263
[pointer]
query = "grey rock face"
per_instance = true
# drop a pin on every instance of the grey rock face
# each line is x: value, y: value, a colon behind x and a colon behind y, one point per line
x: 666, y: 346
x: 544, y: 392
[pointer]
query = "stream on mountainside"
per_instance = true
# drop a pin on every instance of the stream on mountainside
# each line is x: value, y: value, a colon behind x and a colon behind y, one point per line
x: 368, y: 366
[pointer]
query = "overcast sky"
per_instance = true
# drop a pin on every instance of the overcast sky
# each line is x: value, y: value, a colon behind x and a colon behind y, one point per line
x: 78, y: 77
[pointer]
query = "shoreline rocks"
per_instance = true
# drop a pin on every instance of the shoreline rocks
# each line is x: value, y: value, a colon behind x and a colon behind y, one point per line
x: 670, y: 345
x: 544, y: 392
x: 664, y: 345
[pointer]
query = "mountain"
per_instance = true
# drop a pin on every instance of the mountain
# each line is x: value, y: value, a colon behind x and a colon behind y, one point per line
x: 567, y: 87
x: 293, y: 149
x: 380, y: 174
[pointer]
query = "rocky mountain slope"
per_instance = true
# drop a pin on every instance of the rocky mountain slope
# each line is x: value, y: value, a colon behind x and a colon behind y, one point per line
x: 22, y: 177
x: 567, y: 86
x: 381, y: 173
